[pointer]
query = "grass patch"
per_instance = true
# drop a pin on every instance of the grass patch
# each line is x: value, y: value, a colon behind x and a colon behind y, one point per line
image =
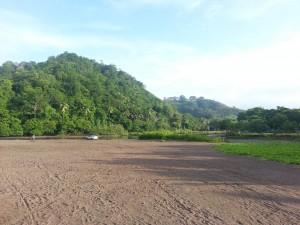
x: 170, y: 135
x: 265, y: 136
x: 287, y: 153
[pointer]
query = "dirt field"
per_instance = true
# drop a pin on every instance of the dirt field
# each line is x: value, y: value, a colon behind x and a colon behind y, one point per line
x: 141, y: 182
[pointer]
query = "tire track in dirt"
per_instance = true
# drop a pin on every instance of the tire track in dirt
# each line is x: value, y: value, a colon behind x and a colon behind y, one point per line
x: 25, y: 202
x: 22, y: 198
x: 270, y: 206
x: 131, y: 182
x: 183, y: 209
x: 167, y: 201
x: 33, y: 209
x: 49, y: 172
x: 187, y: 211
x: 66, y: 191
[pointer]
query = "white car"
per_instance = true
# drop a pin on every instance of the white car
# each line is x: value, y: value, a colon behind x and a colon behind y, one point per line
x: 92, y: 137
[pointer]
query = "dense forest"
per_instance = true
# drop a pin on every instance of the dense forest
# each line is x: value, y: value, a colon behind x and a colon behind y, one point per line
x: 69, y: 94
x: 264, y: 120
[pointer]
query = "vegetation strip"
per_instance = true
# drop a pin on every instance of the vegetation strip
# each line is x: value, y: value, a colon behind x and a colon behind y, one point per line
x: 172, y: 135
x: 287, y: 153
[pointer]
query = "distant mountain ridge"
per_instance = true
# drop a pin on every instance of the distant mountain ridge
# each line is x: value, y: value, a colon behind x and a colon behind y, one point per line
x: 200, y: 107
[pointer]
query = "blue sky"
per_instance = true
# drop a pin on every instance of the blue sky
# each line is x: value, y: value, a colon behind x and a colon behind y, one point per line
x: 243, y: 53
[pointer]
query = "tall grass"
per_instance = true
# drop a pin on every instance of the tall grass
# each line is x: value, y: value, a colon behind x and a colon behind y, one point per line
x: 178, y: 136
x: 288, y: 153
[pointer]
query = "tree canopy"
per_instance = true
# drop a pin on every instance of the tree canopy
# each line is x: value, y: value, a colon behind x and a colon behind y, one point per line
x: 270, y: 120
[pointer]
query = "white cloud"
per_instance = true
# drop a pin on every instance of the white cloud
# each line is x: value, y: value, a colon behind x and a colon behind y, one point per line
x: 97, y: 25
x: 22, y: 34
x: 189, y: 5
x: 11, y: 23
x: 37, y: 39
x: 13, y: 16
x: 213, y: 10
x: 247, y: 10
x: 266, y: 77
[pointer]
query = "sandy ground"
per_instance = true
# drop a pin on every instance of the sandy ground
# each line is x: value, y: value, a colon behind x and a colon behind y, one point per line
x: 141, y: 182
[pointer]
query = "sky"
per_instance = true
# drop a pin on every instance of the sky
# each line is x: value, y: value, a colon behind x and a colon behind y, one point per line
x: 243, y: 53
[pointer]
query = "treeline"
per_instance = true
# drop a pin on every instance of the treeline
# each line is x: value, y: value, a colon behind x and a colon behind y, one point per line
x: 217, y: 116
x: 69, y: 94
x: 280, y: 120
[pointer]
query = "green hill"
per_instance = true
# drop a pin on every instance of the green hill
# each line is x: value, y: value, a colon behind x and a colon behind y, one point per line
x: 202, y: 108
x: 69, y: 94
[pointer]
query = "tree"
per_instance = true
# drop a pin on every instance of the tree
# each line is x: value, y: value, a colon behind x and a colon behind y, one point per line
x: 227, y: 124
x: 33, y: 126
x: 278, y: 121
x: 257, y: 125
x: 176, y: 121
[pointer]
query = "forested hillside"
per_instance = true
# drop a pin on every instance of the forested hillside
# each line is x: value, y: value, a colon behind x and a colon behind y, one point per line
x: 69, y: 94
x: 202, y: 108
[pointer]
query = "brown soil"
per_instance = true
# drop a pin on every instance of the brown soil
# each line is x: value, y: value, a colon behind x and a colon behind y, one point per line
x: 141, y: 182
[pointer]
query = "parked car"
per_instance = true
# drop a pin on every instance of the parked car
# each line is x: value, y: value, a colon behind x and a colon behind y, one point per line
x: 92, y: 137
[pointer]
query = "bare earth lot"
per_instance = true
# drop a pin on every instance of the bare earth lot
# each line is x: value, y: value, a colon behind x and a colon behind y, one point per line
x: 141, y: 182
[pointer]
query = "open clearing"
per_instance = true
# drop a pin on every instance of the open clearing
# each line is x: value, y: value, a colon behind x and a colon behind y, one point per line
x: 141, y: 182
